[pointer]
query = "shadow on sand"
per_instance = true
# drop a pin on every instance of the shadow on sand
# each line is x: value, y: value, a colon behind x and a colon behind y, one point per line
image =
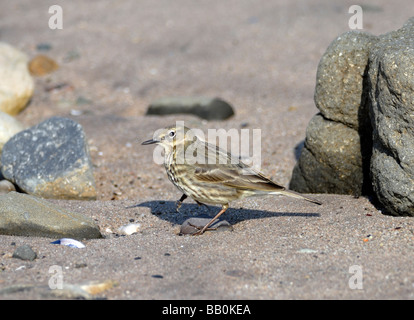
x: 166, y: 210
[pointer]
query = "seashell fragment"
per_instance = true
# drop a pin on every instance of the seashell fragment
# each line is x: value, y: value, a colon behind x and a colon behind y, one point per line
x: 129, y: 229
x: 70, y: 243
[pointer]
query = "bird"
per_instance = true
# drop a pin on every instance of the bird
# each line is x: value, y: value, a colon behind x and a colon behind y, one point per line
x: 210, y: 175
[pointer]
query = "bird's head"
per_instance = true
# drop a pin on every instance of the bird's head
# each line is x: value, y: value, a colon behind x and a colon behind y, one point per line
x: 171, y: 136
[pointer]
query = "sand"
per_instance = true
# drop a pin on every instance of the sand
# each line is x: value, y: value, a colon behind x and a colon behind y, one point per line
x: 115, y: 57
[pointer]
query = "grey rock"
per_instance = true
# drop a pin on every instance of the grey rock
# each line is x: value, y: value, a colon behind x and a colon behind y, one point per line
x: 330, y: 161
x: 194, y: 224
x: 24, y: 252
x: 391, y: 78
x: 50, y: 160
x: 26, y: 215
x: 339, y: 93
x: 335, y: 158
x: 203, y: 107
x: 379, y: 155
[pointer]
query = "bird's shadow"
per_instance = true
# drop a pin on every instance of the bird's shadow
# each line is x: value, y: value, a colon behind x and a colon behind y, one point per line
x: 166, y: 210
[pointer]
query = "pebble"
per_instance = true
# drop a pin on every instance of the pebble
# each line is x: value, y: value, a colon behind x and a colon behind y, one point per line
x: 42, y: 65
x: 24, y: 252
x: 203, y: 107
x: 44, y: 46
x: 71, y: 55
x: 6, y: 187
x: 191, y: 225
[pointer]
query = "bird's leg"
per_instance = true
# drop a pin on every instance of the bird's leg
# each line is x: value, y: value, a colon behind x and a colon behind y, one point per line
x: 180, y: 202
x: 202, y: 204
x: 223, y: 209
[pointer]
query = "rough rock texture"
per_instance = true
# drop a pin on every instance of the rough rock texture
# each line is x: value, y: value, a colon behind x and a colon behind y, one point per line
x: 330, y: 161
x: 16, y: 84
x: 391, y: 77
x: 332, y: 158
x: 339, y: 93
x: 366, y: 83
x: 50, y: 160
x: 26, y: 215
x: 203, y: 107
x: 24, y: 252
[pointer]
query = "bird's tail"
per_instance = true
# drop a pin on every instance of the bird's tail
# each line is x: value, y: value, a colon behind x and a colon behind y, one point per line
x: 293, y: 194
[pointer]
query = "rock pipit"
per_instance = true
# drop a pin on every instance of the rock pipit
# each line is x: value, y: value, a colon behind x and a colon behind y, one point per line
x: 210, y: 175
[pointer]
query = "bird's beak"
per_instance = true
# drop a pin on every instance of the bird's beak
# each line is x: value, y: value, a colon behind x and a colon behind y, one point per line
x: 149, y: 142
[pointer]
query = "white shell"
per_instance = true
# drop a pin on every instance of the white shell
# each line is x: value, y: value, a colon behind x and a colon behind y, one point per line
x: 129, y: 229
x: 70, y: 243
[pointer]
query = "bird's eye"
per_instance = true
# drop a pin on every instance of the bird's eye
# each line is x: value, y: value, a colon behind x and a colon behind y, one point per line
x: 172, y: 134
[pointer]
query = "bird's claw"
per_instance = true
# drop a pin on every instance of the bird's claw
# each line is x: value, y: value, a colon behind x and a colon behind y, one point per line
x: 201, y: 230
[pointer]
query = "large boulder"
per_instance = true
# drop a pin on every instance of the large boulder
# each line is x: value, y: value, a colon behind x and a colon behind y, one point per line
x: 50, y: 160
x: 332, y: 160
x: 391, y: 77
x: 29, y: 216
x: 16, y: 83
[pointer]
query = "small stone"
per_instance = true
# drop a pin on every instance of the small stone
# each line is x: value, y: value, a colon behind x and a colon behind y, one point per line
x: 6, y: 187
x: 82, y: 101
x: 16, y: 83
x: 194, y: 224
x: 80, y: 265
x: 24, y: 252
x: 42, y: 65
x: 71, y: 55
x: 203, y: 107
x: 44, y: 47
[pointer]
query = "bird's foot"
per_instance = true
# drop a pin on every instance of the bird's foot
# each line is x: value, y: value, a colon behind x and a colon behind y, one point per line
x: 178, y: 206
x: 201, y: 230
x: 180, y: 202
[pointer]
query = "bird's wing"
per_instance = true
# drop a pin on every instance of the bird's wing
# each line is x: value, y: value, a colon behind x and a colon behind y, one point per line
x: 235, y: 177
x: 221, y: 167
